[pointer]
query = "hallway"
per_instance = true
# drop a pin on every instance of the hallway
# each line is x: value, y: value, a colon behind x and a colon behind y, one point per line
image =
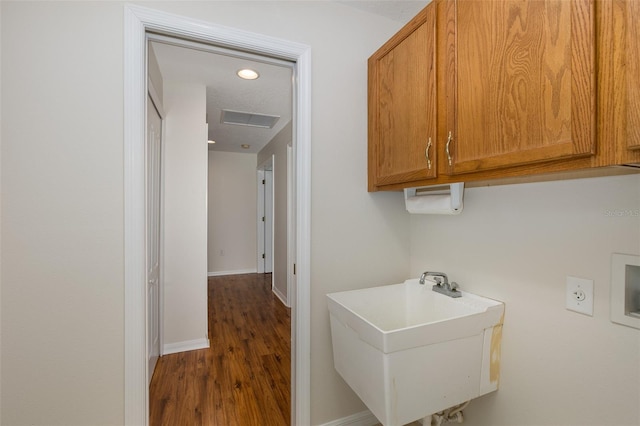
x: 244, y: 378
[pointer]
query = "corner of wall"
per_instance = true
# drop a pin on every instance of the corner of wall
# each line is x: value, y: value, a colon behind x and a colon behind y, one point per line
x: 185, y: 213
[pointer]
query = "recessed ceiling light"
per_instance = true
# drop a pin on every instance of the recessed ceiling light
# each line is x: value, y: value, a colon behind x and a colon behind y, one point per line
x: 212, y: 141
x: 248, y: 74
x: 245, y: 146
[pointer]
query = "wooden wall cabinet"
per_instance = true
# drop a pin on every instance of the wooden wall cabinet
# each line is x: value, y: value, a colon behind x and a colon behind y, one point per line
x: 530, y: 90
x: 619, y: 80
x: 402, y: 105
x: 631, y: 10
x: 519, y: 78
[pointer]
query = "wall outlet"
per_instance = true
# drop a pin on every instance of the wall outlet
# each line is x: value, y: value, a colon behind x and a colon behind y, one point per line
x: 580, y: 295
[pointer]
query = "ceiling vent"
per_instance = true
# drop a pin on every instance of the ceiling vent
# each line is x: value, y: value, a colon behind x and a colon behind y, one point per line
x: 249, y: 119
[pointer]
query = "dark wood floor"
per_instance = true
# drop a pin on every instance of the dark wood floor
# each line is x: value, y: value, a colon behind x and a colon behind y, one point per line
x: 244, y: 377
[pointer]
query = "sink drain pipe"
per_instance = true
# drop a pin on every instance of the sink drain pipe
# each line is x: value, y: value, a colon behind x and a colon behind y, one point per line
x: 452, y: 414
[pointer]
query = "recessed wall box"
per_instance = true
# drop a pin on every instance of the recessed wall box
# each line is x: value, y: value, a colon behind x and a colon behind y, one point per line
x: 625, y: 289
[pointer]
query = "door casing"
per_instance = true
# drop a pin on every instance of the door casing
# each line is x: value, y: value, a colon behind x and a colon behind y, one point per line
x: 138, y: 21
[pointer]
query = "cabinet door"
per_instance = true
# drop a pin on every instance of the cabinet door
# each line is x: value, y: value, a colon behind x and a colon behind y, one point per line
x: 633, y: 73
x: 402, y: 105
x: 520, y: 82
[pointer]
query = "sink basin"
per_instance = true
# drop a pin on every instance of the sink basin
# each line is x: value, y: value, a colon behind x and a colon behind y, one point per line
x: 409, y: 352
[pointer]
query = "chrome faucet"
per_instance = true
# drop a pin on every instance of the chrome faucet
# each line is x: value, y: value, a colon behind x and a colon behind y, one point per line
x: 442, y: 283
x: 439, y: 277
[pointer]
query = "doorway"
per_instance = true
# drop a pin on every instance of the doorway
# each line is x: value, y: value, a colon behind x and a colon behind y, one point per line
x: 138, y: 22
x: 213, y: 222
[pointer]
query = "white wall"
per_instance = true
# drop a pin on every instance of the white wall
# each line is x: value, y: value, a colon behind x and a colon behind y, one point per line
x: 62, y: 196
x: 277, y: 148
x: 185, y: 213
x: 232, y: 213
x: 517, y: 244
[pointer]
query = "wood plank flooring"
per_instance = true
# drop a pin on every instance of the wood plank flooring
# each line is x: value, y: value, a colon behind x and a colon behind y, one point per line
x: 244, y: 377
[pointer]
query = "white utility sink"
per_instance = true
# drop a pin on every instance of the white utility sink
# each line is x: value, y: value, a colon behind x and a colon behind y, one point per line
x: 409, y: 352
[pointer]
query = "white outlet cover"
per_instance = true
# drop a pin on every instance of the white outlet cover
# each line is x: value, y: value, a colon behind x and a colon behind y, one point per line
x: 580, y: 295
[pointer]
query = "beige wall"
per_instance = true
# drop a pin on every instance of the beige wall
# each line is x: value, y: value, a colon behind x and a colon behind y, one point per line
x: 517, y: 244
x: 62, y: 214
x: 62, y: 228
x: 277, y: 149
x: 232, y: 212
x: 62, y: 196
x: 185, y: 213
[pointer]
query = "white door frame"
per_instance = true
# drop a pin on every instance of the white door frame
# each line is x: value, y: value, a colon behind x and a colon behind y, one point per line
x: 137, y: 22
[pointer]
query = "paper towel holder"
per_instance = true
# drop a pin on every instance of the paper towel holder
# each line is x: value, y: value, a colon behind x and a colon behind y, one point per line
x: 454, y: 190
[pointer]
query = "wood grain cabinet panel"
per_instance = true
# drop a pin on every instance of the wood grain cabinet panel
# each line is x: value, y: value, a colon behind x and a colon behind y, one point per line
x: 520, y: 82
x: 632, y: 19
x: 618, y: 80
x: 402, y: 105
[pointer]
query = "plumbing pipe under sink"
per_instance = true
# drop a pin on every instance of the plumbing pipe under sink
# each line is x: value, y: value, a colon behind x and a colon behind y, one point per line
x: 453, y: 415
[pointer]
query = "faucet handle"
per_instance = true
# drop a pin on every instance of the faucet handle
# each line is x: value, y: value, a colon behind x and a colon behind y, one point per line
x: 454, y: 286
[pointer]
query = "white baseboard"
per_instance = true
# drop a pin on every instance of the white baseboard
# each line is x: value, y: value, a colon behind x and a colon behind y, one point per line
x: 189, y: 345
x: 363, y: 418
x: 234, y: 272
x: 281, y: 296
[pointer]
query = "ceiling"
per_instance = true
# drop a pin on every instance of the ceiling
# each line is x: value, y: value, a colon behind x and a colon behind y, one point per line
x: 397, y: 10
x: 270, y: 94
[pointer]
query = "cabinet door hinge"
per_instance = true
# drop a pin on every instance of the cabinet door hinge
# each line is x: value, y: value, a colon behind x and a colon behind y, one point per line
x: 263, y: 255
x: 294, y: 269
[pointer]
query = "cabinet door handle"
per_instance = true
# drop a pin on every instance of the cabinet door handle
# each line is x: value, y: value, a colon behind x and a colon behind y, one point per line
x: 449, y: 139
x: 426, y: 154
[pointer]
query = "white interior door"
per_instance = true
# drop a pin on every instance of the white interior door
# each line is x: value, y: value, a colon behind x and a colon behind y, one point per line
x: 268, y: 221
x: 291, y: 226
x: 260, y: 222
x: 154, y: 137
